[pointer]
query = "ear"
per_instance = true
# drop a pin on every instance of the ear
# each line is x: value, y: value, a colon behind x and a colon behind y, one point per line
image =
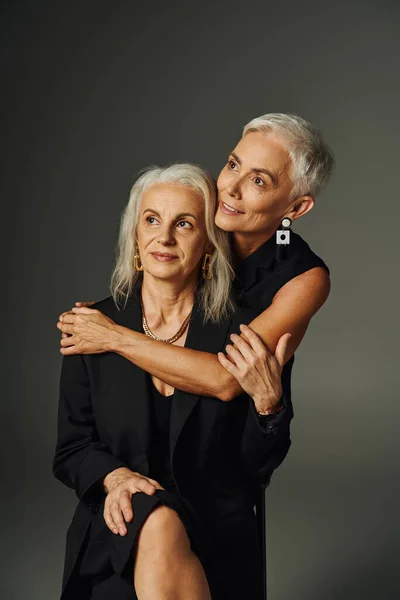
x: 301, y: 206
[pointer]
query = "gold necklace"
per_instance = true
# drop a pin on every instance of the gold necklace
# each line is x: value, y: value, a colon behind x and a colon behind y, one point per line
x: 170, y: 340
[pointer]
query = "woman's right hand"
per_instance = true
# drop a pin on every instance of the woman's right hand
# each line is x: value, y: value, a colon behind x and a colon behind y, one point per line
x: 120, y: 485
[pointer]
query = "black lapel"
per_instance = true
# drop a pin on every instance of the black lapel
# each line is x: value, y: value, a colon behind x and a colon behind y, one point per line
x: 133, y: 380
x: 206, y: 338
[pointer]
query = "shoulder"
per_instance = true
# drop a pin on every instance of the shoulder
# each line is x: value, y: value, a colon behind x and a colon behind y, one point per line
x: 104, y: 304
x: 287, y: 294
x: 311, y: 286
x: 307, y: 275
x: 299, y: 267
x: 109, y: 307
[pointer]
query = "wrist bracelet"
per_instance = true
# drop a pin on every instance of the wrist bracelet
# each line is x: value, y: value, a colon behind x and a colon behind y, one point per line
x: 274, y: 411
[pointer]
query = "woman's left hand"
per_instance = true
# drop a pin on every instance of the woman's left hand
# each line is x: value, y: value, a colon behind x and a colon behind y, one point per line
x: 85, y: 331
x: 256, y: 370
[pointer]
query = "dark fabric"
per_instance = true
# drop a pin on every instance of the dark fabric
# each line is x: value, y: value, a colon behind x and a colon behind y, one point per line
x: 105, y: 567
x: 160, y: 457
x: 106, y: 564
x: 238, y: 572
x: 258, y: 278
x: 219, y: 453
x: 105, y: 413
x: 260, y: 275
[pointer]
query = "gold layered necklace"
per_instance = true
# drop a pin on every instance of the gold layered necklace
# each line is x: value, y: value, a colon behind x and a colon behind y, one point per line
x: 170, y: 340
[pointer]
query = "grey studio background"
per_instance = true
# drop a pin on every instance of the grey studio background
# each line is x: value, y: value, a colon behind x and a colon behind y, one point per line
x: 95, y: 91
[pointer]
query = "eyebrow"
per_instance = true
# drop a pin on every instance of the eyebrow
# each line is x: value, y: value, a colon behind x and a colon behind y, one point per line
x: 151, y: 210
x: 270, y: 174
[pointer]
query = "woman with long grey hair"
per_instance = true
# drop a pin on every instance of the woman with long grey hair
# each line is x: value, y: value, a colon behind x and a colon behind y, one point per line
x: 166, y: 479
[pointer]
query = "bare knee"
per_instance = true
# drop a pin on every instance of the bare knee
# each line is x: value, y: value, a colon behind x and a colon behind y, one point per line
x: 163, y: 528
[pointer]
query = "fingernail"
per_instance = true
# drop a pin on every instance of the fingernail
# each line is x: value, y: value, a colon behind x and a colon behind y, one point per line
x: 122, y: 531
x: 115, y: 530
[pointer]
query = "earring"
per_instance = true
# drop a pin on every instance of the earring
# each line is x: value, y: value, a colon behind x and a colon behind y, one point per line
x: 138, y: 267
x: 206, y: 267
x: 283, y: 239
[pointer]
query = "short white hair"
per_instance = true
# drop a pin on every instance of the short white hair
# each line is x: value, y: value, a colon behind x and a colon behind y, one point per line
x: 312, y: 159
x: 215, y: 293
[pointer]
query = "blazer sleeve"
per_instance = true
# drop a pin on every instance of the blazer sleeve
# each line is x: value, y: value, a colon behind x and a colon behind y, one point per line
x: 81, y: 460
x: 264, y: 447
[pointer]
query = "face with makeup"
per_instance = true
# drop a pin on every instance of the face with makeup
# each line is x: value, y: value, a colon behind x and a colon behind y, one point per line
x: 255, y: 185
x: 171, y: 232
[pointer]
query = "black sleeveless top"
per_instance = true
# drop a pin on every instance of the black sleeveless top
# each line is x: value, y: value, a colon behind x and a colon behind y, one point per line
x: 160, y: 459
x: 261, y: 275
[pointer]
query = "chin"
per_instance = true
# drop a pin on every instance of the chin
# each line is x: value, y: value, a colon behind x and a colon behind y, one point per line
x: 224, y: 222
x: 164, y: 273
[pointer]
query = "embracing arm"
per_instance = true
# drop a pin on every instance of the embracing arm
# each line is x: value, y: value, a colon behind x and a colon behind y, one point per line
x: 81, y: 461
x: 201, y: 372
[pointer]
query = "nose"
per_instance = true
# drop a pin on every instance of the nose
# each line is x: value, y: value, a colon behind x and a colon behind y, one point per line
x: 166, y: 237
x: 234, y: 188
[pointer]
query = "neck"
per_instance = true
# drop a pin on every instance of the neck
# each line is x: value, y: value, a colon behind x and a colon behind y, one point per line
x: 244, y: 244
x: 166, y: 302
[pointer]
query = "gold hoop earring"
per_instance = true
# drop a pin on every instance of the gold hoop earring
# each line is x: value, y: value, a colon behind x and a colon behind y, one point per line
x: 206, y: 267
x: 138, y: 267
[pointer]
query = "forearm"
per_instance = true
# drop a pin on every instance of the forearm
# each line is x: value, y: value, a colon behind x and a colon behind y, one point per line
x: 183, y: 368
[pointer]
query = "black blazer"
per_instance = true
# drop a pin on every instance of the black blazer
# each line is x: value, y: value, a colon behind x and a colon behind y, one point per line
x: 220, y: 452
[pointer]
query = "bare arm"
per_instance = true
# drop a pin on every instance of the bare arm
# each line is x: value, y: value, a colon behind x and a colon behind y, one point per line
x: 201, y: 372
x: 183, y: 368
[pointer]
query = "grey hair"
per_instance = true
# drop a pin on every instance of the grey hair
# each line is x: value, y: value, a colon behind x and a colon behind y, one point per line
x: 312, y: 159
x: 214, y: 294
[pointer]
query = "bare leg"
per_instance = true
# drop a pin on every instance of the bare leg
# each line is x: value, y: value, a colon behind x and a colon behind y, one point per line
x: 165, y: 567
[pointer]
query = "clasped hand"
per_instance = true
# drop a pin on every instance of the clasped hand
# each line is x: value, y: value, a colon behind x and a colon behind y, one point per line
x: 256, y: 370
x: 85, y: 330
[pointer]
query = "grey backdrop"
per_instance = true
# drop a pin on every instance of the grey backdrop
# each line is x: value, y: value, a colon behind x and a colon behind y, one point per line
x: 96, y: 90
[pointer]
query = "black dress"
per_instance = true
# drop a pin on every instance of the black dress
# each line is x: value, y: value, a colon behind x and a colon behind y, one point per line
x: 159, y: 450
x: 106, y: 565
x: 105, y: 568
